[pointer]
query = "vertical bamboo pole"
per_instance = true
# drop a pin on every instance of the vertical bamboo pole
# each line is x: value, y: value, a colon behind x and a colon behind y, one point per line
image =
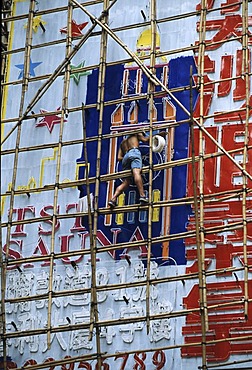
x: 201, y: 241
x: 245, y: 75
x: 94, y: 317
x: 58, y: 164
x: 90, y: 225
x: 151, y: 90
x: 87, y: 177
x: 26, y: 70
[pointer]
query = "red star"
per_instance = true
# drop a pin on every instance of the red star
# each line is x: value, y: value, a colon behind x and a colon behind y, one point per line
x: 49, y: 121
x: 76, y: 28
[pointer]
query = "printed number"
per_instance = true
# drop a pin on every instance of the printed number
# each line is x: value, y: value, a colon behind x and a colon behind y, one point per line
x: 84, y: 365
x: 50, y: 359
x: 158, y: 359
x: 139, y: 361
x: 103, y: 366
x: 125, y: 358
x: 30, y: 362
x: 70, y: 366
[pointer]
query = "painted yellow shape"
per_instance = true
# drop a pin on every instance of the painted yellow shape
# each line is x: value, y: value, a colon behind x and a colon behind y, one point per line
x: 36, y: 23
x: 78, y: 166
x: 144, y: 39
x: 3, y: 199
x: 31, y: 184
x: 120, y: 216
x: 156, y: 211
x: 42, y: 166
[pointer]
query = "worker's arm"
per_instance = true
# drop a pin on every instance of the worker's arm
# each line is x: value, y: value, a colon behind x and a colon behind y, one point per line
x: 144, y: 139
x: 120, y: 154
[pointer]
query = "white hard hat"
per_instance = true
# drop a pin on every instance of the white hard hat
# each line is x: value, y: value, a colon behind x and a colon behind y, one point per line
x: 158, y: 143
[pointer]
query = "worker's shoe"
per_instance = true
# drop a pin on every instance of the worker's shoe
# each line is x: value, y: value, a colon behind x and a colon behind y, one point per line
x: 143, y: 200
x: 112, y: 203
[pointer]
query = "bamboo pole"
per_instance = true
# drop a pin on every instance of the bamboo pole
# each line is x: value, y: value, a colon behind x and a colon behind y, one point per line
x: 58, y: 168
x: 200, y: 219
x: 245, y: 69
x: 94, y: 317
x: 151, y: 89
x: 15, y: 164
x: 93, y: 307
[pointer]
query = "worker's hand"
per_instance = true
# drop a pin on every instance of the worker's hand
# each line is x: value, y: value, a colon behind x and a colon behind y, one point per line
x: 162, y: 133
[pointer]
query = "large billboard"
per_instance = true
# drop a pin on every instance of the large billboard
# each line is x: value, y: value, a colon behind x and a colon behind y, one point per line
x: 86, y: 286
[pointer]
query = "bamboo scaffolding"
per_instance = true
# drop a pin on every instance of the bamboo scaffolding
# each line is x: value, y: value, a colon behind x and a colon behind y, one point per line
x: 230, y: 227
x: 199, y: 200
x: 125, y: 61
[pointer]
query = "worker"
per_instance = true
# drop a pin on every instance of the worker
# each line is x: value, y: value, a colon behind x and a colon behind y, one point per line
x: 131, y: 158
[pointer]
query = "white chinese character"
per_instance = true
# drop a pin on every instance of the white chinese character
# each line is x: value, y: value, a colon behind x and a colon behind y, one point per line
x: 108, y: 331
x: 77, y: 279
x: 128, y: 330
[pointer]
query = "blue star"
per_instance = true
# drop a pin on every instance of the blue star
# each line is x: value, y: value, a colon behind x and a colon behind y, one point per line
x: 31, y: 71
